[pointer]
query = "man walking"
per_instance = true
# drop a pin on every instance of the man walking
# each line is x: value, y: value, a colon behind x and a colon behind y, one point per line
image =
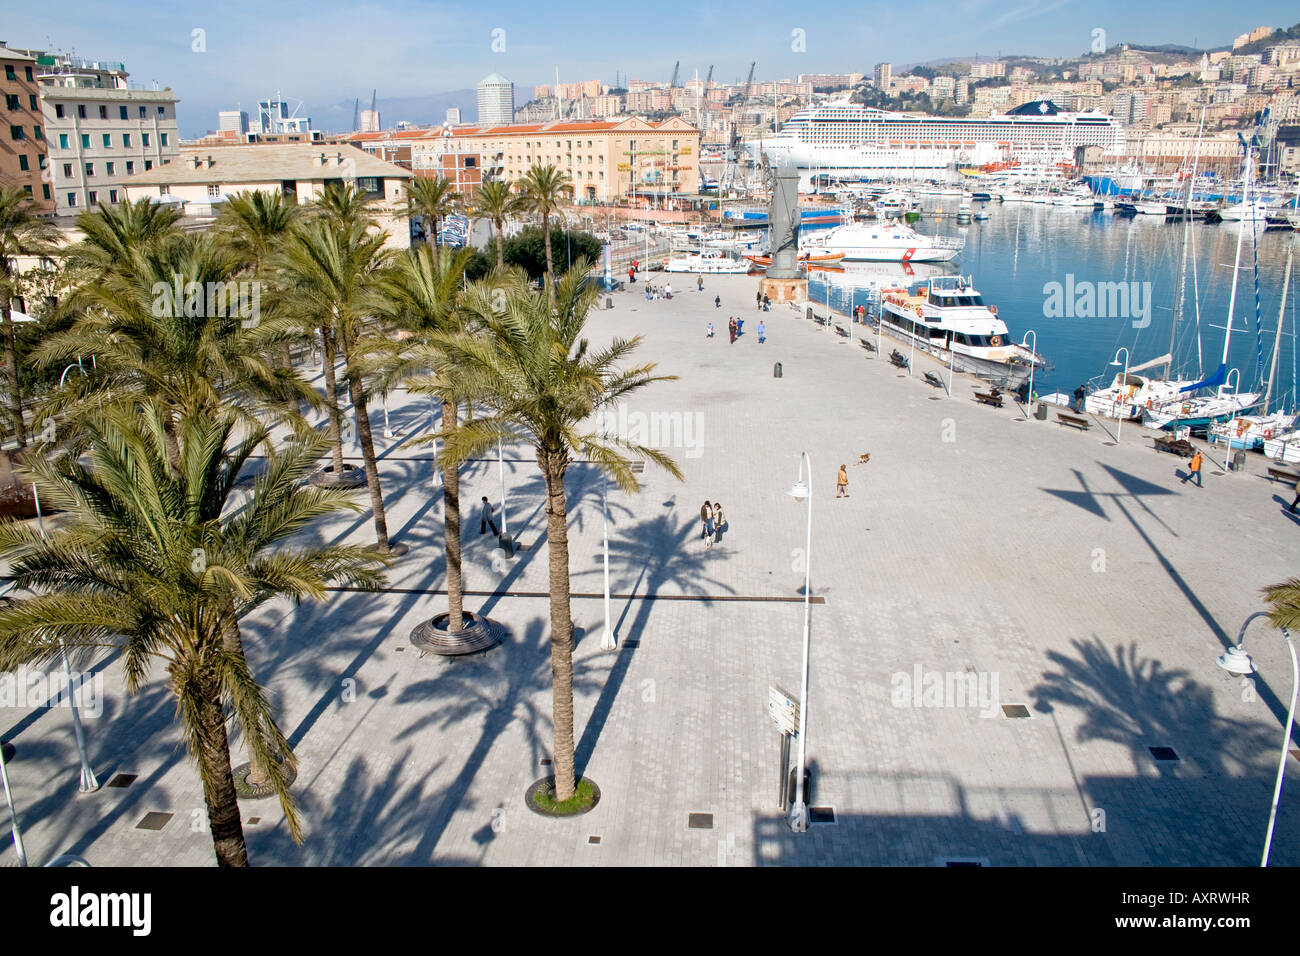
x: 485, y: 518
x: 1194, y: 468
x: 758, y: 299
x: 842, y: 483
x: 762, y: 332
x: 1297, y: 497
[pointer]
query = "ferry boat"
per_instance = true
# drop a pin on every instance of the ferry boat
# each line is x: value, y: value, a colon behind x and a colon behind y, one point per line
x: 709, y: 262
x: 947, y: 317
x: 883, y: 241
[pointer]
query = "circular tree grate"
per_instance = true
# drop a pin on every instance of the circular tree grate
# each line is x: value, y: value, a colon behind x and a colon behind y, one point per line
x: 433, y: 637
x: 350, y: 477
x: 547, y: 786
x: 254, y: 791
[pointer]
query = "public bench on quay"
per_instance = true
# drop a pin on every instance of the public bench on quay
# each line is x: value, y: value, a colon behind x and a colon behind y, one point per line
x: 1074, y: 421
x: 993, y: 398
x: 899, y: 359
x: 867, y: 345
x: 842, y: 332
x: 1283, y: 474
x: 1177, y: 446
x: 934, y: 380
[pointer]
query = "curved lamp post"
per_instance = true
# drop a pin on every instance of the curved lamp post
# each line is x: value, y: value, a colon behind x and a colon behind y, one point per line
x: 1237, y: 661
x: 608, y: 641
x: 1119, y: 425
x: 801, y: 491
x: 1032, y: 362
x: 13, y: 814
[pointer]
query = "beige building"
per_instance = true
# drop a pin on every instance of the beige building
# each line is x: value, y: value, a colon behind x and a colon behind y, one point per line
x: 200, y: 180
x: 606, y: 160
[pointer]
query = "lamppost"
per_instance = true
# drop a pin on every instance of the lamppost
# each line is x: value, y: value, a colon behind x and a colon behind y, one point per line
x: 1120, y: 417
x: 13, y: 814
x: 1237, y: 661
x: 608, y: 641
x: 801, y: 491
x: 1033, y: 353
x: 501, y: 471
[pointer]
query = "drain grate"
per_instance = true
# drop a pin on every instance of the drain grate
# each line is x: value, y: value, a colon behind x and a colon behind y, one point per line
x: 699, y: 821
x: 123, y: 780
x: 821, y: 815
x: 153, y: 820
x: 593, y: 841
x: 1164, y: 753
x: 546, y: 761
x: 632, y: 642
x: 254, y: 821
x: 1015, y: 711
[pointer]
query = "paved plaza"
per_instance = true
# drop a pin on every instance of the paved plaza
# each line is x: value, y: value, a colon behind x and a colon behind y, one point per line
x: 979, y: 548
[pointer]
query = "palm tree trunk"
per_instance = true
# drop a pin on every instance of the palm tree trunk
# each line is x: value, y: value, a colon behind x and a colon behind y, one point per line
x: 557, y: 547
x: 173, y: 444
x: 451, y: 530
x: 433, y: 241
x: 233, y: 642
x: 501, y: 244
x: 546, y: 233
x: 11, y: 371
x: 332, y: 400
x: 358, y: 394
x: 218, y: 780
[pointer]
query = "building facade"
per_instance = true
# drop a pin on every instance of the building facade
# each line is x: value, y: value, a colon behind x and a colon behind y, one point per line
x: 496, y: 100
x: 24, y: 160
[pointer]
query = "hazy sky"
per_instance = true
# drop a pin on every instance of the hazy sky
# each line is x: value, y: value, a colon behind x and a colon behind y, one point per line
x: 327, y: 53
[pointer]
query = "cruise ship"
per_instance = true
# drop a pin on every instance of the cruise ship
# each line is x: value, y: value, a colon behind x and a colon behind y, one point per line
x: 848, y: 136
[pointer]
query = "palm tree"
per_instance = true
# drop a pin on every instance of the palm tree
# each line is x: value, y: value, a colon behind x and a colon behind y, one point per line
x: 432, y: 199
x: 1285, y: 601
x: 542, y: 383
x: 420, y: 296
x: 329, y: 271
x: 496, y: 201
x: 112, y: 233
x: 22, y: 233
x: 543, y: 188
x: 153, y: 562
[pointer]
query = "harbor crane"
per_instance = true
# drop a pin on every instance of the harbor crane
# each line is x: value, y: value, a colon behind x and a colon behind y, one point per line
x: 672, y: 85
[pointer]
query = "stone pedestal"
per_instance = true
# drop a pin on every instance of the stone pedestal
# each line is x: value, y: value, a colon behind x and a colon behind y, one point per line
x: 784, y: 290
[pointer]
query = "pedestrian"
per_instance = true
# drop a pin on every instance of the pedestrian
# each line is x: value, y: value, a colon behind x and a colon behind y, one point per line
x: 1080, y: 394
x: 631, y: 275
x: 758, y: 300
x: 1194, y: 468
x: 731, y: 330
x: 767, y: 304
x: 706, y: 525
x: 708, y: 333
x: 668, y: 290
x: 717, y: 301
x: 700, y: 284
x: 486, y: 519
x: 649, y: 291
x: 1297, y: 496
x: 719, y: 519
x: 762, y: 332
x: 842, y: 483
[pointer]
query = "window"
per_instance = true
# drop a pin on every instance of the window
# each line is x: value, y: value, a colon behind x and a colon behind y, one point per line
x: 28, y: 71
x: 144, y: 139
x: 17, y: 132
x: 126, y: 139
x: 130, y: 167
x: 108, y: 140
x: 143, y: 113
x: 45, y: 190
x: 58, y: 110
x: 23, y: 162
x: 72, y: 199
x: 11, y: 101
x: 94, y: 198
x: 67, y: 170
x: 90, y: 169
x: 164, y: 138
x: 9, y: 72
x: 31, y: 101
x: 28, y: 191
x: 85, y: 141
x: 63, y: 141
x: 103, y: 112
x: 148, y: 165
x: 164, y: 190
x: 37, y: 133
x: 214, y: 190
x: 162, y: 111
x: 40, y: 160
x: 81, y: 111
x: 112, y: 195
x: 110, y: 168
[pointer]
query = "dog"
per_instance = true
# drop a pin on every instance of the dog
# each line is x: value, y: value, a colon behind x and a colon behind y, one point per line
x: 863, y: 458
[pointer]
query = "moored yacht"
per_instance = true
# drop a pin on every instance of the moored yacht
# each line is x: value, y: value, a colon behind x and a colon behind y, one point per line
x: 882, y: 241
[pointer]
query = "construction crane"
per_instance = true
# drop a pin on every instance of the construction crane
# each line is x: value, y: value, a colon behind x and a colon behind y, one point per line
x: 672, y: 85
x: 749, y: 83
x: 356, y: 114
x: 709, y: 79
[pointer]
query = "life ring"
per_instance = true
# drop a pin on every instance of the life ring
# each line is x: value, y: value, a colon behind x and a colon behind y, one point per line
x: 1187, y: 408
x: 1268, y: 433
x: 918, y: 311
x: 995, y: 341
x: 1148, y: 404
x: 1243, y: 426
x: 993, y: 309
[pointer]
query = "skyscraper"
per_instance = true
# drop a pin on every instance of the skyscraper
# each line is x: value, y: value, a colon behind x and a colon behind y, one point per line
x: 496, y: 99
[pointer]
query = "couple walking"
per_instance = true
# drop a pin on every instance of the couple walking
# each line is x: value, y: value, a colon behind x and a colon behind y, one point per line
x: 712, y: 521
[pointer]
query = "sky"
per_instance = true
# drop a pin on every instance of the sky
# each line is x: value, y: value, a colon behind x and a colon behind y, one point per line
x: 327, y: 53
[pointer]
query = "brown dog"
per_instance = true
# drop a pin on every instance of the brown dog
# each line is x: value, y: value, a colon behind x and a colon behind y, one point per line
x: 863, y: 459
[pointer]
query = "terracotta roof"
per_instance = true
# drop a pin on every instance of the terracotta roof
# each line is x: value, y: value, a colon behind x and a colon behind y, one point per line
x: 266, y: 163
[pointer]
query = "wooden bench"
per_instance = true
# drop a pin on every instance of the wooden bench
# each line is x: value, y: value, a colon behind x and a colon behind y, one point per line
x: 867, y: 345
x: 989, y: 398
x: 1176, y: 446
x: 1283, y: 474
x: 842, y: 332
x: 1074, y: 421
x: 934, y: 380
x: 899, y: 359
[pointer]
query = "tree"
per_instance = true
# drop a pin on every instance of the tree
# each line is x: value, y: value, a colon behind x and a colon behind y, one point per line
x: 527, y: 249
x: 419, y: 295
x: 498, y: 203
x: 432, y: 199
x: 542, y: 384
x: 112, y: 233
x: 153, y: 563
x: 543, y: 189
x: 22, y: 233
x: 1284, y: 599
x: 329, y: 270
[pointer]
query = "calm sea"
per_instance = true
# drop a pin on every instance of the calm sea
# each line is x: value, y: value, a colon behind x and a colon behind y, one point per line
x: 1021, y: 249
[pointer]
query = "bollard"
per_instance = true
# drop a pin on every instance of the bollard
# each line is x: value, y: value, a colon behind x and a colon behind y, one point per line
x: 1238, y: 460
x: 609, y: 302
x: 776, y: 370
x: 810, y: 314
x: 508, y: 545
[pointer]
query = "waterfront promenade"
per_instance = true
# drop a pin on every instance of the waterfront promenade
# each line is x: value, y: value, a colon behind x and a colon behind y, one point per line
x: 1078, y: 576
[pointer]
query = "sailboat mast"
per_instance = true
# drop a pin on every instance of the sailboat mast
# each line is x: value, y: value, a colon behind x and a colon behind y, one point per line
x: 1277, y: 340
x: 1236, y: 265
x: 1187, y: 231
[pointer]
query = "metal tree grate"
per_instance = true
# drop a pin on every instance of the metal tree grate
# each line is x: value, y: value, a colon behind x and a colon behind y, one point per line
x: 700, y: 821
x: 154, y: 820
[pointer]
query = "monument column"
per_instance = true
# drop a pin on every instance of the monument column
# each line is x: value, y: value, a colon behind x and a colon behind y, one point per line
x: 783, y: 281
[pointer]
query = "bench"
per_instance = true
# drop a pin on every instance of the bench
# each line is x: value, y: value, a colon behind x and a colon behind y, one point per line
x: 934, y: 380
x: 989, y: 398
x: 899, y: 359
x: 1283, y: 474
x: 842, y: 332
x: 1176, y: 446
x: 867, y: 345
x: 1074, y: 421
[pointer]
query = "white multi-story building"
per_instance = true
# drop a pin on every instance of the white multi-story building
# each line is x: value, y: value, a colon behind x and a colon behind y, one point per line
x: 232, y: 121
x: 496, y: 100
x: 101, y: 130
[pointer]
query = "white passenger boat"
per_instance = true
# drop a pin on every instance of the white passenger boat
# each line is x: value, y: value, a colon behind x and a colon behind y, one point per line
x: 709, y: 262
x: 883, y: 241
x: 1283, y: 447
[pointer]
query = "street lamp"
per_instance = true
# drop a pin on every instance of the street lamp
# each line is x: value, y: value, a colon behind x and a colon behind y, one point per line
x: 1120, y: 418
x: 13, y: 814
x: 608, y: 641
x: 1237, y: 661
x: 1033, y: 353
x: 801, y: 491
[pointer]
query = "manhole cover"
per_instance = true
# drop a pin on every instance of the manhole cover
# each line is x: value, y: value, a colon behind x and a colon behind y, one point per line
x: 593, y: 841
x: 254, y: 821
x: 1163, y: 753
x: 546, y: 761
x: 632, y: 642
x: 699, y: 821
x: 1015, y: 710
x: 153, y: 820
x: 123, y: 780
